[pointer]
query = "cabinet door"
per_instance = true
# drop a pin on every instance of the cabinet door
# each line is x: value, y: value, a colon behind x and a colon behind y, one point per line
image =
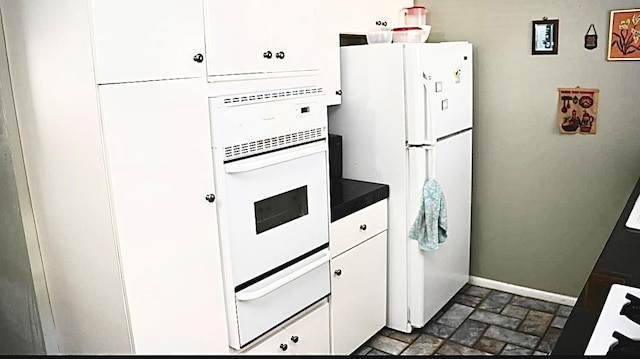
x: 261, y: 37
x: 361, y: 16
x: 297, y: 27
x: 358, y: 294
x: 138, y: 40
x: 328, y: 49
x: 238, y: 37
x: 307, y: 335
x: 157, y: 144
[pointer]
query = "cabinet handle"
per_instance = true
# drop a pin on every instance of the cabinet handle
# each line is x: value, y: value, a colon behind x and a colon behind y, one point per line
x: 267, y: 55
x: 294, y: 338
x: 198, y: 58
x: 284, y: 347
x: 280, y: 55
x: 378, y: 22
x: 338, y: 272
x: 339, y: 92
x: 363, y: 227
x: 210, y: 197
x: 384, y: 23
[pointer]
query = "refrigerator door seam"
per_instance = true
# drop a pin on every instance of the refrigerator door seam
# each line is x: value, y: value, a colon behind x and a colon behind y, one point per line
x: 454, y: 134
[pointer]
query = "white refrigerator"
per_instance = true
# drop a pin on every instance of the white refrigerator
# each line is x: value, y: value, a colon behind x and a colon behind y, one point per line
x: 406, y: 116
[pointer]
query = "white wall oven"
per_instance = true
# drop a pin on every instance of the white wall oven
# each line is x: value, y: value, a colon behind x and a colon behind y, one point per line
x: 270, y: 152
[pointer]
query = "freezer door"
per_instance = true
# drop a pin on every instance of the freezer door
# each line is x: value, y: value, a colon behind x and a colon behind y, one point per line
x: 439, y: 84
x: 436, y: 276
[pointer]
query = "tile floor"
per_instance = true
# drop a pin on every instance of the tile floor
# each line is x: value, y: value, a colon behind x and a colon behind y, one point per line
x: 478, y: 321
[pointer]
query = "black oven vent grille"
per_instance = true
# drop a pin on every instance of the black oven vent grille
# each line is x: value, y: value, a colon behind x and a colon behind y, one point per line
x: 271, y: 95
x: 273, y: 143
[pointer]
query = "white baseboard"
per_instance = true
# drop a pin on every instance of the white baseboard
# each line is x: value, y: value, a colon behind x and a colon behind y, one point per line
x: 523, y: 291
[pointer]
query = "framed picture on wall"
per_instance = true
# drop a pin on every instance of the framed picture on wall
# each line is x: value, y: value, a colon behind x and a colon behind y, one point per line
x: 544, y: 37
x: 624, y: 35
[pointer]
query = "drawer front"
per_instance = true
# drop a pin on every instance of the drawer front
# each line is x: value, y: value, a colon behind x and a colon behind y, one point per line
x: 307, y: 335
x: 357, y: 227
x: 273, y: 300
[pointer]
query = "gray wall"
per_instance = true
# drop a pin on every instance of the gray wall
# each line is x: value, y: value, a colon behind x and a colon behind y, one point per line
x: 20, y: 331
x: 20, y: 327
x: 544, y: 204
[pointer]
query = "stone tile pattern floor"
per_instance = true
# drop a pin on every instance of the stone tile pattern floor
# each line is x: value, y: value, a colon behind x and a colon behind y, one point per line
x: 478, y: 321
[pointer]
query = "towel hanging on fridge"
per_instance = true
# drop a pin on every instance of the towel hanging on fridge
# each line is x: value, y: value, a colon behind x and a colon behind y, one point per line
x: 430, y: 225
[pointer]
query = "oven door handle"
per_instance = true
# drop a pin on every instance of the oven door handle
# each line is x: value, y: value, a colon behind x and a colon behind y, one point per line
x: 282, y: 281
x: 273, y: 158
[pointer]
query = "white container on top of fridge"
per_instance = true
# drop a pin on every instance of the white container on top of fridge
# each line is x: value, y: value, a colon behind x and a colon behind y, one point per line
x: 406, y: 116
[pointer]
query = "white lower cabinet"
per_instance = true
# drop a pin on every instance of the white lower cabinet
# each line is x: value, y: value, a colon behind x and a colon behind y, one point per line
x: 358, y: 302
x: 156, y: 139
x: 309, y: 334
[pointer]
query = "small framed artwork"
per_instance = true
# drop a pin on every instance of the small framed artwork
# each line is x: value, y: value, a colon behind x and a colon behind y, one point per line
x: 544, y: 37
x: 624, y: 35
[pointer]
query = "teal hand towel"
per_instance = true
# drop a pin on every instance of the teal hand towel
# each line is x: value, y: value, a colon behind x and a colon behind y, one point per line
x: 430, y: 226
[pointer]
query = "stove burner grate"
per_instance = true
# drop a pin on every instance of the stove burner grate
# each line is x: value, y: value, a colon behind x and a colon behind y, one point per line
x: 631, y: 309
x: 624, y: 346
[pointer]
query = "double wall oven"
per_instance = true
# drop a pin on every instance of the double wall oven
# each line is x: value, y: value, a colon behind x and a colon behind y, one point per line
x: 270, y: 152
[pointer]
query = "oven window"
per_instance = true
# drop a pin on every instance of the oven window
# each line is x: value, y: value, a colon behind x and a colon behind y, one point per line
x: 280, y: 209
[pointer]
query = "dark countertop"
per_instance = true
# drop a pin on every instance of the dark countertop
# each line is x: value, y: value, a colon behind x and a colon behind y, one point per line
x: 349, y: 196
x: 618, y: 263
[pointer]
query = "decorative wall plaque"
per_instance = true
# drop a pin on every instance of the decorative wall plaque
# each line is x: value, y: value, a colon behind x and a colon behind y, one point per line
x: 577, y: 110
x: 624, y: 35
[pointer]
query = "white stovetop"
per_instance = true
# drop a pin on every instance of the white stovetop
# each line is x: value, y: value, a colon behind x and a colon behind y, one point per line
x: 634, y: 218
x: 610, y: 320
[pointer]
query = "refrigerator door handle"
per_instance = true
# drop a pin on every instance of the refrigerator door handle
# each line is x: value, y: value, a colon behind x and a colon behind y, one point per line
x: 422, y: 166
x: 426, y: 111
x: 431, y: 162
x: 422, y: 161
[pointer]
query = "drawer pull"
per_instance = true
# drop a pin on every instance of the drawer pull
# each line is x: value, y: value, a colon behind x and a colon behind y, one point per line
x: 294, y: 338
x: 363, y: 227
x: 338, y: 272
x: 284, y: 347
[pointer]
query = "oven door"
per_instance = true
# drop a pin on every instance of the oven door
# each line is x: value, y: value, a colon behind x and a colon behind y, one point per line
x: 277, y: 208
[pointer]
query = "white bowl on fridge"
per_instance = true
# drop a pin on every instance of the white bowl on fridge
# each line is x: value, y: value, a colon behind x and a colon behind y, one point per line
x: 411, y: 34
x: 426, y: 30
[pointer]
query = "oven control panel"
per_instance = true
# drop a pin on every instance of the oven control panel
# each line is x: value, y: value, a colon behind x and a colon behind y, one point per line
x: 250, y: 124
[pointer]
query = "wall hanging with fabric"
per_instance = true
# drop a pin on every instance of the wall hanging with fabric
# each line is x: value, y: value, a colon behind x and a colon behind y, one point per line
x: 577, y: 110
x: 591, y: 40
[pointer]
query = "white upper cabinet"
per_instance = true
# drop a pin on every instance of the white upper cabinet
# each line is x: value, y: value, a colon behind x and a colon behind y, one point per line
x: 145, y: 40
x: 349, y: 17
x: 328, y: 50
x: 261, y: 37
x: 361, y: 16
